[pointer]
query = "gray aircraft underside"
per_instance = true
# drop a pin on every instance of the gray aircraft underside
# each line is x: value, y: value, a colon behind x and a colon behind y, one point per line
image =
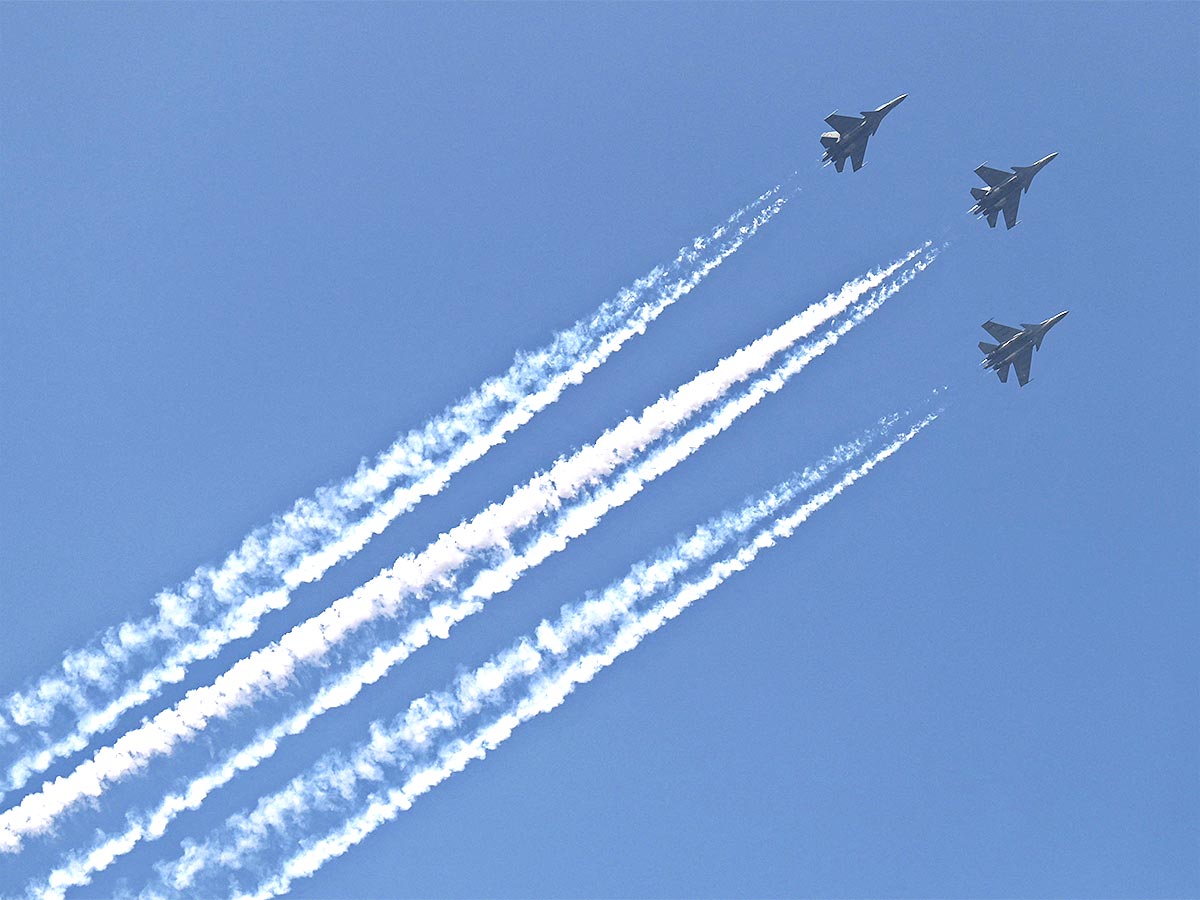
x: 1004, y: 189
x: 850, y: 134
x: 1016, y: 346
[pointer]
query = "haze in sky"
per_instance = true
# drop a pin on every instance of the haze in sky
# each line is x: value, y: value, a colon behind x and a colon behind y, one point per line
x: 250, y: 246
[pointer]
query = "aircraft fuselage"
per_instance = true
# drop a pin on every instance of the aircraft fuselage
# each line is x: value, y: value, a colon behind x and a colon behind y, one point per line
x: 996, y: 197
x: 1010, y: 350
x: 846, y: 142
x: 1025, y: 341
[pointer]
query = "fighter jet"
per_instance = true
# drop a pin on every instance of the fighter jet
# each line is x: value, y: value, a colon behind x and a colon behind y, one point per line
x: 1016, y: 346
x: 850, y: 134
x: 1004, y: 191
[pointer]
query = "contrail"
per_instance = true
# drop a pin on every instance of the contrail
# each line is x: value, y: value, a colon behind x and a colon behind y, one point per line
x: 643, y: 580
x: 342, y: 689
x: 99, y: 683
x: 586, y: 638
x: 309, y: 642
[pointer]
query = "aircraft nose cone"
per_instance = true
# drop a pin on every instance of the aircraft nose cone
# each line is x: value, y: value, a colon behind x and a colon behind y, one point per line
x: 1048, y: 158
x: 1051, y: 322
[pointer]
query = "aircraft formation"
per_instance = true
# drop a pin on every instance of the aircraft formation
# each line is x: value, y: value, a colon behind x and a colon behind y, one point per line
x: 848, y: 140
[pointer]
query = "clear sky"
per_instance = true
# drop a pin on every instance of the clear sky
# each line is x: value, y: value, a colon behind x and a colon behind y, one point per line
x: 246, y: 245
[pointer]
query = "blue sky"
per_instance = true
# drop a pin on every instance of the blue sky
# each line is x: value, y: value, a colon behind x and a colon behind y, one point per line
x: 247, y: 245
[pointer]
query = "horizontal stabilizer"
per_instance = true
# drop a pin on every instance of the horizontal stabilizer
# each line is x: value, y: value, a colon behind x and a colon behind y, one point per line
x: 840, y: 163
x: 988, y: 348
x: 829, y: 140
x: 1002, y: 372
x: 978, y: 193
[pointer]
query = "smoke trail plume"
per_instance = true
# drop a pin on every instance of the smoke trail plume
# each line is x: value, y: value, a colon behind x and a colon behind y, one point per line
x: 129, y: 664
x: 309, y: 642
x: 547, y: 665
x: 643, y: 580
x: 340, y: 689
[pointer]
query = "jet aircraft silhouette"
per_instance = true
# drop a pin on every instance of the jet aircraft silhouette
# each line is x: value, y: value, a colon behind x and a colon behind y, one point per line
x: 1004, y: 191
x: 850, y: 135
x: 1016, y: 346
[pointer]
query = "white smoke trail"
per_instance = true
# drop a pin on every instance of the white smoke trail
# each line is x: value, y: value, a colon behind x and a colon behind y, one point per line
x: 217, y: 606
x: 308, y: 643
x: 341, y: 689
x: 642, y: 581
x: 587, y: 638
